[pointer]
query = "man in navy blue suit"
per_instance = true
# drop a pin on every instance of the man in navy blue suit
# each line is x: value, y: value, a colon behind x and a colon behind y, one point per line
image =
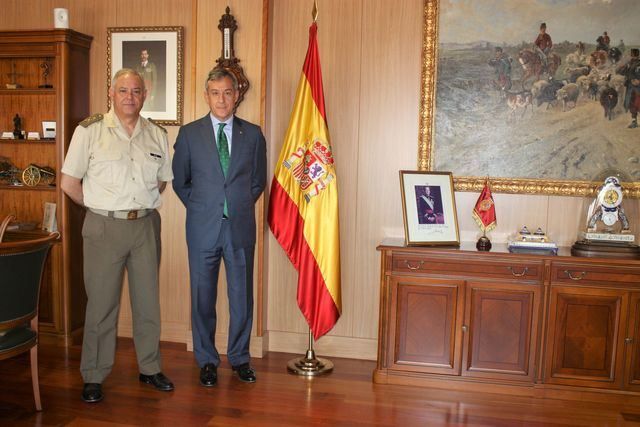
x: 220, y: 170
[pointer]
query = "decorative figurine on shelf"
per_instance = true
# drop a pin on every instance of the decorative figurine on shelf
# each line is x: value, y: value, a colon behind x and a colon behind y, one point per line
x: 46, y: 70
x: 9, y: 173
x: 17, y: 127
x: 33, y: 175
x: 12, y: 76
x: 484, y: 213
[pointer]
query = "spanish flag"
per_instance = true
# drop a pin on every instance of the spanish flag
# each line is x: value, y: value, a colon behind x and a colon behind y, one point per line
x: 303, y: 204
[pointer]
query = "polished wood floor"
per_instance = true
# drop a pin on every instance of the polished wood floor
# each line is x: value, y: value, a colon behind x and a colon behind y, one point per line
x: 346, y: 397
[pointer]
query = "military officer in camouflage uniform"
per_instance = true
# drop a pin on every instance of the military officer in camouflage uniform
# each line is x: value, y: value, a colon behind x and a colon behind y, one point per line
x: 117, y: 166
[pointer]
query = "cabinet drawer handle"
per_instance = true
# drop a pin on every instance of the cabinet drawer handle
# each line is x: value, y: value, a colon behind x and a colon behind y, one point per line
x: 572, y: 277
x: 524, y: 271
x: 628, y: 340
x: 411, y: 267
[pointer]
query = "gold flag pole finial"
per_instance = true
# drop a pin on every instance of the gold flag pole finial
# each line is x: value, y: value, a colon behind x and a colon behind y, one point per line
x: 314, y: 11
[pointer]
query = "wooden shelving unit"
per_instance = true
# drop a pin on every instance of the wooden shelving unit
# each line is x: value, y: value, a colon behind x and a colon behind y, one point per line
x: 24, y: 58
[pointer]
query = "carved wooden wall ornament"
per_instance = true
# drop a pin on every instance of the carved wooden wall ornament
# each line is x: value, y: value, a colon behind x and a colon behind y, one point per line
x: 227, y: 60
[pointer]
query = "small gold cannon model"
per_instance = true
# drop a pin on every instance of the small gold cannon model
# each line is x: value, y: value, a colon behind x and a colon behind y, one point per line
x: 33, y: 174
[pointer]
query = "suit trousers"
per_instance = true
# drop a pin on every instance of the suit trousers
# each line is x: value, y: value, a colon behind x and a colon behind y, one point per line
x: 204, y: 266
x: 110, y: 245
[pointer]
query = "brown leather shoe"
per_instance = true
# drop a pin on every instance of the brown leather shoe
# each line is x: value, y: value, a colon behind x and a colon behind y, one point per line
x: 159, y: 381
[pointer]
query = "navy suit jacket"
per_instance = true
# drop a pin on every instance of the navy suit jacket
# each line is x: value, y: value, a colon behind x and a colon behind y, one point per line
x: 202, y: 188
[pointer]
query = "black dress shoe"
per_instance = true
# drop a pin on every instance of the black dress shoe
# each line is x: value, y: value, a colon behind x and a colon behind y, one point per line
x: 92, y: 392
x: 209, y: 375
x: 245, y: 373
x: 159, y: 381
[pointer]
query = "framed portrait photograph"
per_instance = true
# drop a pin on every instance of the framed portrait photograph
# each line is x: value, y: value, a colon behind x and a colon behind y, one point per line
x: 157, y: 54
x: 532, y: 93
x: 429, y: 208
x: 49, y: 129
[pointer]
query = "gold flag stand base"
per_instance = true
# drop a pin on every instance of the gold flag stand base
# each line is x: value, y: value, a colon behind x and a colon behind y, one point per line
x: 309, y: 365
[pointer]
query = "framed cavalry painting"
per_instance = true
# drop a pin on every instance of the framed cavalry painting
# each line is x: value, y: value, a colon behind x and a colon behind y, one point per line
x: 531, y: 93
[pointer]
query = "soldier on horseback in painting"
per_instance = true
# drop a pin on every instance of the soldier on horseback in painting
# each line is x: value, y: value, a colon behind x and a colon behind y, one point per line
x: 603, y: 42
x: 621, y: 46
x: 501, y: 63
x: 631, y: 70
x: 543, y: 44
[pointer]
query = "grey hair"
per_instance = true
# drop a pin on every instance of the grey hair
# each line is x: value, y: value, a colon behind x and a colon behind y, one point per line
x: 126, y: 71
x: 219, y: 74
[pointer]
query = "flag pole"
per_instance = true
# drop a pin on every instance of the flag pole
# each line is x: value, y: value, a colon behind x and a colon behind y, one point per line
x: 292, y: 204
x: 309, y: 365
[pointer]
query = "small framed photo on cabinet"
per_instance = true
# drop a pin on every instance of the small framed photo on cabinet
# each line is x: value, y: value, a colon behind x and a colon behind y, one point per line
x: 429, y: 208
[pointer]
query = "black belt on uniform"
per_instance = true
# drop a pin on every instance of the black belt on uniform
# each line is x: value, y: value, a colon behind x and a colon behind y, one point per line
x: 133, y: 214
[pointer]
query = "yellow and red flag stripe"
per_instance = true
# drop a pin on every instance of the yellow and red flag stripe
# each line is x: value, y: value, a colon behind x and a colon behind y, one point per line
x: 303, y: 204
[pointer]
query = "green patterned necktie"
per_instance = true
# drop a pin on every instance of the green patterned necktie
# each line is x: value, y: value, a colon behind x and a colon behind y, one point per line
x: 223, y: 153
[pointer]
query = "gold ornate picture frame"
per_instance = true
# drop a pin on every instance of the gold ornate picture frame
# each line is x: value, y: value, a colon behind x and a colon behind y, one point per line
x: 509, y: 182
x: 157, y: 54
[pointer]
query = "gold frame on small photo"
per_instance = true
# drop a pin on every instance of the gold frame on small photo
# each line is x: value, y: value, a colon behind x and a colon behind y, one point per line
x: 429, y: 208
x: 164, y: 45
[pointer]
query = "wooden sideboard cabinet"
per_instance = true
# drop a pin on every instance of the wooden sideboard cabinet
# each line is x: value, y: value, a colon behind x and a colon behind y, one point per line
x: 593, y: 318
x: 517, y: 323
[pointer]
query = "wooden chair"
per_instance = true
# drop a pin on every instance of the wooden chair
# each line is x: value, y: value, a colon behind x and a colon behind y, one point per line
x: 21, y: 267
x: 4, y: 223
